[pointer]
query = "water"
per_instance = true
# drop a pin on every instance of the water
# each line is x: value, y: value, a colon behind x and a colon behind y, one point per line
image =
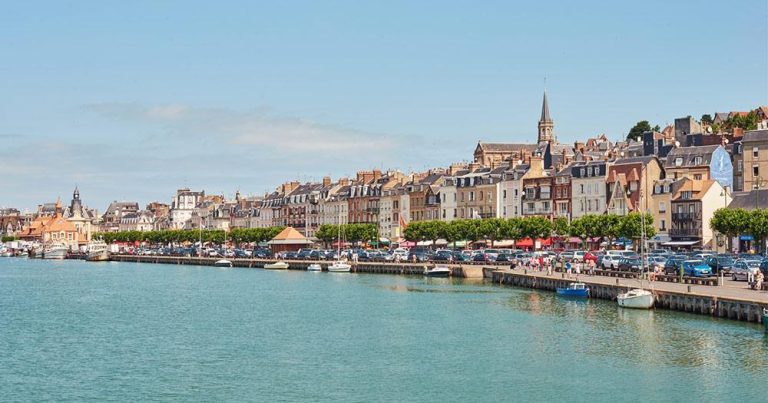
x: 73, y: 330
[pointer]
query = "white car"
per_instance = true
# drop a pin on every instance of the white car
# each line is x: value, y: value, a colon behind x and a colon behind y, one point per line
x: 611, y: 261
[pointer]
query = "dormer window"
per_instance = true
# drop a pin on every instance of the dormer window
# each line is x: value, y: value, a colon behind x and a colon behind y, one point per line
x: 678, y: 161
x: 697, y: 160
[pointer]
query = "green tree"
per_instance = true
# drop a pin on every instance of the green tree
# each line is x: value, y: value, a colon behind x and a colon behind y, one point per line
x: 491, y: 228
x: 636, y: 132
x: 327, y: 233
x: 536, y: 227
x: 561, y: 227
x: 706, y: 119
x: 8, y: 238
x: 758, y: 227
x: 730, y: 222
x: 631, y: 227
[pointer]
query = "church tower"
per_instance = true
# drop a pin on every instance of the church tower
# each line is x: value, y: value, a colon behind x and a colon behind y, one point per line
x: 546, y: 126
x: 76, y: 206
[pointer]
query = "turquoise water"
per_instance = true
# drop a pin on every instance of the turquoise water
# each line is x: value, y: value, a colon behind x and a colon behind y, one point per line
x: 73, y: 330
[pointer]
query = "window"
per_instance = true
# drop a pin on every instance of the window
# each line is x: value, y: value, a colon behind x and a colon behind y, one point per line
x: 678, y: 161
x: 581, y: 172
x: 739, y: 165
x: 471, y: 196
x: 697, y: 160
x: 754, y: 152
x: 597, y: 188
x: 697, y: 177
x: 597, y: 205
x: 504, y: 194
x: 662, y: 207
x: 581, y: 205
x: 755, y: 170
x: 657, y: 189
x: 582, y: 188
x: 663, y: 225
x: 515, y: 193
x: 546, y: 206
x: 589, y: 171
x: 589, y: 205
x: 481, y: 195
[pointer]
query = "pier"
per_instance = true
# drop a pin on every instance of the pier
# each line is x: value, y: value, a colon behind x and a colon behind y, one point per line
x: 701, y: 296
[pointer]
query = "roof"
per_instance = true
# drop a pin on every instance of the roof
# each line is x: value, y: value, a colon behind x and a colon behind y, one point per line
x: 748, y: 200
x: 289, y: 236
x: 755, y: 135
x: 698, y: 187
x: 689, y: 154
x: 545, y: 110
x: 634, y: 160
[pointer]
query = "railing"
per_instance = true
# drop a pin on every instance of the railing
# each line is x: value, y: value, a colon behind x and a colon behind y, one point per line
x: 690, y: 232
x: 686, y: 216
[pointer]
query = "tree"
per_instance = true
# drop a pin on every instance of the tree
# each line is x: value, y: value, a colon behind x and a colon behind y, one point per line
x: 758, y: 227
x: 636, y: 132
x: 536, y: 227
x: 327, y: 233
x: 730, y: 222
x: 561, y: 227
x: 706, y: 119
x: 491, y: 228
x: 8, y: 238
x: 608, y: 226
x: 631, y: 226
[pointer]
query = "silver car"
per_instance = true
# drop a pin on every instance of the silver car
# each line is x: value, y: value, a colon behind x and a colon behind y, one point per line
x: 742, y: 269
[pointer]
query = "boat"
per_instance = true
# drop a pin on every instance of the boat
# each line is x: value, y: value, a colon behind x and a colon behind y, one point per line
x: 6, y: 253
x: 55, y: 250
x: 340, y: 266
x: 276, y: 266
x: 98, y: 251
x: 223, y: 263
x: 578, y: 290
x: 438, y: 271
x: 636, y: 298
x: 314, y: 267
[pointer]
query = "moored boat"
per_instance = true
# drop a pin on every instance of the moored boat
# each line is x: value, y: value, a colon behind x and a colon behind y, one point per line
x: 55, y: 251
x: 223, y: 263
x: 438, y: 271
x: 636, y: 298
x: 314, y: 267
x: 98, y: 251
x: 577, y: 290
x: 276, y: 266
x: 340, y: 266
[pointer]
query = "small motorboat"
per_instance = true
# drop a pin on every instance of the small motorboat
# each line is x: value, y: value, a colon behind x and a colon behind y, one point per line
x: 578, y: 290
x: 276, y: 266
x: 636, y: 298
x: 438, y: 271
x: 223, y: 263
x: 340, y: 266
x: 315, y: 267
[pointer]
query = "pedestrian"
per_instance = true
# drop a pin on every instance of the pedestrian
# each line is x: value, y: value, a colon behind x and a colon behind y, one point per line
x: 592, y: 265
x: 750, y: 277
x: 759, y: 280
x: 568, y: 269
x: 549, y: 268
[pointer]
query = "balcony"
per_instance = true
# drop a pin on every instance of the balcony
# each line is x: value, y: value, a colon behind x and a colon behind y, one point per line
x: 487, y: 215
x: 686, y: 216
x: 685, y: 232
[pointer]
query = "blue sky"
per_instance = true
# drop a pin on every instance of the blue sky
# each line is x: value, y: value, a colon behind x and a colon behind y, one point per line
x: 130, y: 100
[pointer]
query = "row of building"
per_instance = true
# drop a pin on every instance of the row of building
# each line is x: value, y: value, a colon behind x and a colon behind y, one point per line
x: 680, y: 174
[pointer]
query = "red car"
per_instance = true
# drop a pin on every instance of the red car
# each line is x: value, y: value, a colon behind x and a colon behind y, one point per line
x: 591, y: 256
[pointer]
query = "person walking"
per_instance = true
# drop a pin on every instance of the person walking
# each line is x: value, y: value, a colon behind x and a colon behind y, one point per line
x: 568, y: 269
x: 759, y: 280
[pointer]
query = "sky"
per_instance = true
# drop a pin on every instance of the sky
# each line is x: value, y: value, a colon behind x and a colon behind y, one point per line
x: 132, y: 100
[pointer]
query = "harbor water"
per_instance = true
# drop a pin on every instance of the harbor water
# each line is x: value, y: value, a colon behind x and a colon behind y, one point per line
x: 76, y: 331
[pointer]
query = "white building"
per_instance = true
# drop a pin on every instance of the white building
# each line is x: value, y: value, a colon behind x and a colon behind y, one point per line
x: 182, y: 206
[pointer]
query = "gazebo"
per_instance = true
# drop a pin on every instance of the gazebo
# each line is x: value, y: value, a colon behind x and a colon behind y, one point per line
x: 288, y: 240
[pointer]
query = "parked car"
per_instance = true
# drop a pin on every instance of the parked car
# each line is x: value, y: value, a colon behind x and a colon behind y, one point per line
x: 696, y: 268
x: 629, y: 264
x: 566, y: 256
x: 503, y: 258
x: 418, y: 255
x: 743, y: 268
x: 764, y: 267
x: 611, y: 261
x: 480, y: 257
x: 578, y: 255
x: 672, y: 265
x: 656, y: 261
x: 721, y: 263
x: 443, y: 255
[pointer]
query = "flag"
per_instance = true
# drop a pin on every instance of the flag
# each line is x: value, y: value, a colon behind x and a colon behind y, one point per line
x: 402, y: 223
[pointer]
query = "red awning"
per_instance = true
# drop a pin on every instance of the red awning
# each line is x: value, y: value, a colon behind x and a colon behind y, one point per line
x: 525, y: 243
x: 407, y: 244
x: 574, y: 239
x: 545, y: 242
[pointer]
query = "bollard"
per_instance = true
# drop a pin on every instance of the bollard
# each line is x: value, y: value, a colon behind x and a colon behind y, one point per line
x: 525, y: 271
x: 563, y: 274
x: 617, y: 281
x: 689, y: 288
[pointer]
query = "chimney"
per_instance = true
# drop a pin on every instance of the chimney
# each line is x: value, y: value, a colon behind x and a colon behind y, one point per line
x: 738, y: 132
x: 376, y: 174
x: 473, y: 166
x: 326, y: 181
x: 343, y: 181
x: 537, y: 166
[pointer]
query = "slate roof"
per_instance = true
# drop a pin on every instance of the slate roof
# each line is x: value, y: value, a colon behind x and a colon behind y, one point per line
x: 689, y: 154
x: 507, y: 147
x: 748, y: 200
x: 755, y: 135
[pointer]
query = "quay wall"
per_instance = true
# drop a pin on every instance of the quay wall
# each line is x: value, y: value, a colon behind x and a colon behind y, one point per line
x: 698, y: 303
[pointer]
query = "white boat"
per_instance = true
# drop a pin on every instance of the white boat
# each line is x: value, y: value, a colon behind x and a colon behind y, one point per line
x: 6, y: 253
x: 340, y: 266
x: 223, y: 263
x: 98, y: 251
x: 314, y: 267
x: 55, y: 251
x: 438, y: 271
x: 636, y: 298
x: 276, y: 266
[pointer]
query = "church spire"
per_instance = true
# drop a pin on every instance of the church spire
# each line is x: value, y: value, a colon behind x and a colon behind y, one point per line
x: 546, y: 125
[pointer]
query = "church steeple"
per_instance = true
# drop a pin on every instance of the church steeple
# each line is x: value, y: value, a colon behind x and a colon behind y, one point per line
x: 546, y: 125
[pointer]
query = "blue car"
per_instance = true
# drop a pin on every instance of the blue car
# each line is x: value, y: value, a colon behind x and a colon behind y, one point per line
x: 696, y: 268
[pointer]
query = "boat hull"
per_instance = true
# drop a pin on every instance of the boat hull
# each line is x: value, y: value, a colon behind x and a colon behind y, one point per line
x: 339, y: 268
x: 314, y: 267
x: 643, y: 301
x: 57, y: 254
x: 223, y: 263
x: 567, y: 292
x: 437, y: 273
x: 101, y: 256
x: 276, y: 266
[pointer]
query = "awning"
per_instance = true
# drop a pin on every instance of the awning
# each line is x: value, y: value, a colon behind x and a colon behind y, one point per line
x: 504, y: 244
x: 407, y: 244
x: 680, y: 243
x: 574, y: 239
x: 746, y: 238
x: 660, y: 238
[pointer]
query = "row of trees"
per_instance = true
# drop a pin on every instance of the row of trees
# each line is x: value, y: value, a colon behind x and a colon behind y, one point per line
x: 237, y: 235
x: 8, y: 238
x: 328, y: 233
x: 735, y: 222
x: 603, y: 226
